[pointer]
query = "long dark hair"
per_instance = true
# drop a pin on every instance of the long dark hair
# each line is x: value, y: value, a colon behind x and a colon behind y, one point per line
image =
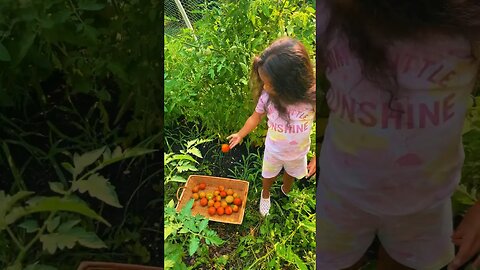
x: 287, y: 63
x: 372, y: 25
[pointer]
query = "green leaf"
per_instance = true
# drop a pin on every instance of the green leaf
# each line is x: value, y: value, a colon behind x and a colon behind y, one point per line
x: 80, y: 162
x: 171, y: 204
x: 193, y: 246
x: 189, y: 224
x: 15, y: 214
x: 90, y: 5
x: 186, y: 167
x: 190, y: 143
x: 57, y: 187
x: 30, y: 225
x: 195, y: 151
x: 52, y: 224
x: 203, y: 225
x: 300, y: 264
x: 10, y: 201
x: 187, y: 209
x: 68, y: 167
x: 170, y: 229
x: 107, y: 154
x: 178, y: 178
x: 66, y: 226
x: 215, y: 239
x: 99, y: 187
x: 4, y: 55
x: 25, y: 44
x: 117, y: 152
x: 184, y: 157
x: 50, y: 204
x: 52, y: 242
x: 118, y: 71
x: 167, y: 263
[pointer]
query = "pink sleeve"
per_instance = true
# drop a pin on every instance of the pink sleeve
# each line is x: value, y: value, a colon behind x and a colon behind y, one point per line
x: 262, y: 100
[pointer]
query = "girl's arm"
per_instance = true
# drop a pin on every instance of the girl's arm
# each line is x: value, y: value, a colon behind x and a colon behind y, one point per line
x: 251, y: 123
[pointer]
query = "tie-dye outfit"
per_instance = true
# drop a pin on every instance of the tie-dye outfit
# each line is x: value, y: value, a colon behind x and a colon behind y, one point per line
x: 286, y: 145
x: 388, y: 173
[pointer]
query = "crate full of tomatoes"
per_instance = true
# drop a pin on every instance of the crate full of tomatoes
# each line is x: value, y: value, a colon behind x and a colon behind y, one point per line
x: 218, y: 199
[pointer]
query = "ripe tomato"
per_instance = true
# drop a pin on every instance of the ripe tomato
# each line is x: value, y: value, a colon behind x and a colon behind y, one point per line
x: 229, y: 199
x: 210, y: 202
x: 212, y: 210
x: 220, y: 211
x: 223, y: 194
x: 225, y: 148
x: 235, y: 208
x: 224, y: 204
x: 229, y: 191
x: 202, y: 186
x: 228, y: 210
x: 237, y: 201
x: 217, y: 204
x: 203, y: 201
x: 195, y: 189
x: 195, y: 196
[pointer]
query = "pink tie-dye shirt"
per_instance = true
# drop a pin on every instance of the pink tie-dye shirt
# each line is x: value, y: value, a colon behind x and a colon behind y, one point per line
x: 387, y: 162
x: 287, y: 142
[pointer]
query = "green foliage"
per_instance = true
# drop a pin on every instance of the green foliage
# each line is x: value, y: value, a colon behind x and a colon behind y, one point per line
x: 107, y: 50
x: 206, y: 81
x: 466, y: 194
x: 176, y: 165
x: 185, y: 232
x: 286, y: 237
x: 19, y: 217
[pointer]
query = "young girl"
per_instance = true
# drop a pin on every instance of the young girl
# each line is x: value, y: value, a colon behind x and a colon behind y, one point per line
x: 401, y: 74
x: 283, y: 82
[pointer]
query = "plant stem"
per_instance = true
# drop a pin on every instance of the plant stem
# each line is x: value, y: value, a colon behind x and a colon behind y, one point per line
x: 76, y: 12
x: 24, y: 251
x: 273, y: 249
x: 15, y: 240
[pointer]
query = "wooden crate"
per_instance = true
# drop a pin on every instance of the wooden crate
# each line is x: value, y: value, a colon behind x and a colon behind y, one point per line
x: 212, y: 182
x: 114, y: 266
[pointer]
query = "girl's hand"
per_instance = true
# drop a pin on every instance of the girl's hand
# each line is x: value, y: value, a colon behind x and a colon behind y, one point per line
x: 312, y: 166
x: 234, y: 139
x: 467, y: 237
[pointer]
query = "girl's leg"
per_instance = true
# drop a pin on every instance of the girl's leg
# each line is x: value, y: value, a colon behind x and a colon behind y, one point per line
x: 287, y: 182
x: 293, y: 169
x: 266, y: 185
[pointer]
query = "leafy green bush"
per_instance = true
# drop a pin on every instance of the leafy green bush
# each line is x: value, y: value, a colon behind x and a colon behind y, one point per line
x: 60, y: 229
x: 286, y: 238
x: 206, y: 81
x: 185, y: 232
x: 466, y: 194
x: 108, y: 50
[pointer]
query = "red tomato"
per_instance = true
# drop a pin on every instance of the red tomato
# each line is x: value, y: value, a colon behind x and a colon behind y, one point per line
x: 225, y: 148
